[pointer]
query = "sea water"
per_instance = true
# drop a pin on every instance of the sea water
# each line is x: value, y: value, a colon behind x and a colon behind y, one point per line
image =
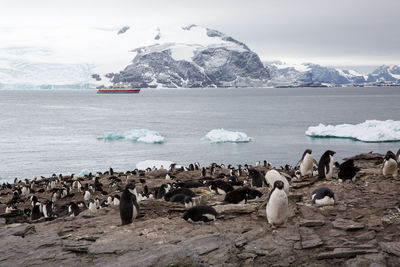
x: 62, y: 131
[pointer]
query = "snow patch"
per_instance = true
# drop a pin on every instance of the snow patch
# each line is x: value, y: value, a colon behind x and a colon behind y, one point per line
x: 368, y: 131
x: 142, y: 165
x: 224, y: 136
x: 136, y: 135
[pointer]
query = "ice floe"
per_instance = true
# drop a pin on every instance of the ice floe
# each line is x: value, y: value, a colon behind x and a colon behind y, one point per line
x: 137, y: 135
x: 368, y: 131
x: 224, y: 136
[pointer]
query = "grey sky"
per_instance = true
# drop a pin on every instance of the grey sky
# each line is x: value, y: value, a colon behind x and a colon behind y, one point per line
x: 351, y: 32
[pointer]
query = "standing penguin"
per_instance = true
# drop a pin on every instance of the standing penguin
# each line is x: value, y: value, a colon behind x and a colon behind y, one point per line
x: 256, y: 177
x: 272, y: 176
x: 203, y: 172
x: 306, y: 163
x: 277, y: 207
x: 128, y: 207
x: 390, y: 165
x: 398, y: 156
x: 325, y: 165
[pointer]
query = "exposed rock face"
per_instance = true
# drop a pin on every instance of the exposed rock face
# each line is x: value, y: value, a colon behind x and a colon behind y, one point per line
x: 225, y: 63
x: 361, y: 230
x: 385, y: 73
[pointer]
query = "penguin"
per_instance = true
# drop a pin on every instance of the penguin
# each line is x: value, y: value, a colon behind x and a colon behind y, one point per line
x: 390, y: 165
x: 273, y: 175
x: 189, y: 184
x: 92, y: 206
x: 128, y: 207
x: 161, y: 191
x: 35, y: 215
x: 200, y: 214
x: 47, y: 209
x: 241, y: 195
x: 188, y: 201
x: 203, y: 172
x: 73, y: 209
x: 325, y: 165
x: 86, y: 195
x: 347, y: 170
x: 116, y: 200
x: 184, y: 191
x: 306, y: 163
x: 398, y: 156
x: 220, y: 187
x: 256, y: 178
x: 323, y: 196
x: 179, y: 198
x: 277, y: 207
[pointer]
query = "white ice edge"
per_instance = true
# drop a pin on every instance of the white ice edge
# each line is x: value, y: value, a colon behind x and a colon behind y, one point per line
x: 225, y: 136
x: 368, y: 131
x: 136, y: 135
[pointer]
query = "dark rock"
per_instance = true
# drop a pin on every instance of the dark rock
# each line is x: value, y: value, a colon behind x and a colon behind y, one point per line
x: 366, y: 236
x: 311, y: 223
x: 344, y: 253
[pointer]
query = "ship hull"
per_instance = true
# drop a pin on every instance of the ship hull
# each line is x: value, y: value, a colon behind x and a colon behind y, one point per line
x: 118, y: 91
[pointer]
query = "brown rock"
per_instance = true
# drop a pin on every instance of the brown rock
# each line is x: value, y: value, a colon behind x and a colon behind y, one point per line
x: 344, y: 253
x: 311, y: 223
x: 391, y: 247
x: 347, y: 225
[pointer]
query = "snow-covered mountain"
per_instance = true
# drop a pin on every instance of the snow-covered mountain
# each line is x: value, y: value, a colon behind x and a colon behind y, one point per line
x: 211, y: 59
x: 385, y: 74
x: 145, y: 56
x: 306, y: 73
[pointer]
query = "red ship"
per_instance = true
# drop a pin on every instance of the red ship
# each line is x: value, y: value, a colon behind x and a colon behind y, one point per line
x: 118, y: 89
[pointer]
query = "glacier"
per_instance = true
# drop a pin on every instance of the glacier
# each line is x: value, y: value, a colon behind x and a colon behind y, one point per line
x: 225, y: 136
x: 136, y: 135
x: 368, y: 131
x: 142, y: 165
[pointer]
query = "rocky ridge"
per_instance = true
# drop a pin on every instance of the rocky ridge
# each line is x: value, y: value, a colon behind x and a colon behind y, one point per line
x: 361, y: 230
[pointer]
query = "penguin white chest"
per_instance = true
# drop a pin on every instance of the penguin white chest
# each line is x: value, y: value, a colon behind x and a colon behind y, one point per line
x: 306, y: 165
x: 390, y: 168
x: 277, y: 208
x: 331, y: 164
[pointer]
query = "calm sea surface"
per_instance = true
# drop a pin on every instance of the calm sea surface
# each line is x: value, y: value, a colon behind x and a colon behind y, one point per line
x: 44, y: 132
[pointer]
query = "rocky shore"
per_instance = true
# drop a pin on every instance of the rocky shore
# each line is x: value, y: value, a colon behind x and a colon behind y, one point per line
x: 362, y: 229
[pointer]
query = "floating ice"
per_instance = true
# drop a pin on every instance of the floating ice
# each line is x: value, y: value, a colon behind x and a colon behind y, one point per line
x: 142, y: 165
x: 224, y: 136
x: 83, y: 173
x: 368, y: 131
x: 137, y: 135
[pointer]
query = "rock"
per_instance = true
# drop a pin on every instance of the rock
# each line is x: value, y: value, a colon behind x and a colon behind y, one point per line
x: 366, y: 236
x: 240, y: 242
x: 28, y: 229
x: 309, y: 239
x: 344, y: 253
x: 76, y: 248
x: 391, y: 247
x: 347, y: 225
x: 311, y: 223
x: 245, y: 255
x: 372, y: 260
x: 235, y: 209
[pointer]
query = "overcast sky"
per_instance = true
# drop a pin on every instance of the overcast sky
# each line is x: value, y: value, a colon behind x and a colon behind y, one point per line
x: 335, y: 32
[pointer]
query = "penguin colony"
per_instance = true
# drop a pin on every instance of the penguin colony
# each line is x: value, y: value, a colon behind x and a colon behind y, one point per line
x: 42, y: 199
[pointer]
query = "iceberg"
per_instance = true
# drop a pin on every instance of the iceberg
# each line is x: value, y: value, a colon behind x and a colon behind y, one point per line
x: 83, y: 173
x: 224, y: 136
x: 142, y: 165
x: 368, y: 131
x: 136, y: 135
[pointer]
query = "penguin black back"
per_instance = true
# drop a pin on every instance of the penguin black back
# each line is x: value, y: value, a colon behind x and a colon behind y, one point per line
x: 200, y: 214
x: 347, y: 170
x: 184, y: 191
x: 324, y: 162
x: 126, y: 205
x: 257, y: 178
